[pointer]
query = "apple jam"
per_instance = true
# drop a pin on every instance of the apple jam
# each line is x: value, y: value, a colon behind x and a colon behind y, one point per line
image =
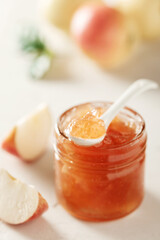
x: 104, y: 181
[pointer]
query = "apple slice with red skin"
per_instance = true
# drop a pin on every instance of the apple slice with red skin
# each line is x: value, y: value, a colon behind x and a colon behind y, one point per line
x: 29, y: 138
x: 19, y: 202
x: 9, y: 144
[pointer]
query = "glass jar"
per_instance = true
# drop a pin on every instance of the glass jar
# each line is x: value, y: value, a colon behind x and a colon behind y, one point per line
x: 105, y: 181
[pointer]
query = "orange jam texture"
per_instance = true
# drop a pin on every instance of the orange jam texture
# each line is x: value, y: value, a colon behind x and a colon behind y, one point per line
x: 87, y: 127
x: 105, y: 181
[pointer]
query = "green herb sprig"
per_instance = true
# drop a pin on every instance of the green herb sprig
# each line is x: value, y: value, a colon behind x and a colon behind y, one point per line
x: 32, y: 43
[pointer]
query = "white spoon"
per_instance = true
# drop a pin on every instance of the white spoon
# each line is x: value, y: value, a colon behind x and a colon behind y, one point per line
x: 136, y: 88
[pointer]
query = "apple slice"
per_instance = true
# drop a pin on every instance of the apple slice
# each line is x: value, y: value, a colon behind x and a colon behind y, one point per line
x: 29, y: 138
x: 19, y: 202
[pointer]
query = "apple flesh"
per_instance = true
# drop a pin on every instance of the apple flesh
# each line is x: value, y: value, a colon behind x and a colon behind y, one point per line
x: 19, y: 202
x: 104, y: 34
x: 29, y: 138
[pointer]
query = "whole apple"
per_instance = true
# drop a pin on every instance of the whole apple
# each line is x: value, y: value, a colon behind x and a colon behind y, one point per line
x: 104, y: 34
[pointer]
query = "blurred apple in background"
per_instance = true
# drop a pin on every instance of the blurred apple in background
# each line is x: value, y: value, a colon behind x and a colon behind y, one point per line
x: 107, y: 31
x: 59, y: 12
x: 146, y: 13
x: 104, y: 34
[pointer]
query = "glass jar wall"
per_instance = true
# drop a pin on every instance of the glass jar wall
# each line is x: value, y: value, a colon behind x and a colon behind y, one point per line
x: 105, y: 181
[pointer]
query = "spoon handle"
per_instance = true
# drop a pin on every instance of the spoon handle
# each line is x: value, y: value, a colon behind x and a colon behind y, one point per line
x: 135, y: 89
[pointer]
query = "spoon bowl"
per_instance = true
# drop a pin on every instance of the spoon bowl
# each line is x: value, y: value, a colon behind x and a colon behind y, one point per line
x: 86, y: 142
x: 134, y: 89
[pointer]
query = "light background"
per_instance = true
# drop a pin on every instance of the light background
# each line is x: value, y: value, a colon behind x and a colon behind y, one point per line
x: 74, y: 79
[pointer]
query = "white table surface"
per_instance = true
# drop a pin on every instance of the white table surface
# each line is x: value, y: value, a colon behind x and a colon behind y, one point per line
x: 74, y: 79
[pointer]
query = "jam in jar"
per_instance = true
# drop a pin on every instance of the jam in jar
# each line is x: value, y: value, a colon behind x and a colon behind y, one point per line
x: 104, y: 181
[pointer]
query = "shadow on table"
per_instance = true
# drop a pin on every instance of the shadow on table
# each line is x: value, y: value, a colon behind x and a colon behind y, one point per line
x: 60, y: 70
x: 144, y: 223
x: 43, y: 167
x: 38, y: 229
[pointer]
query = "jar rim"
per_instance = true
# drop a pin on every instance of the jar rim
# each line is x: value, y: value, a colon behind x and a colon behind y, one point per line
x: 110, y: 147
